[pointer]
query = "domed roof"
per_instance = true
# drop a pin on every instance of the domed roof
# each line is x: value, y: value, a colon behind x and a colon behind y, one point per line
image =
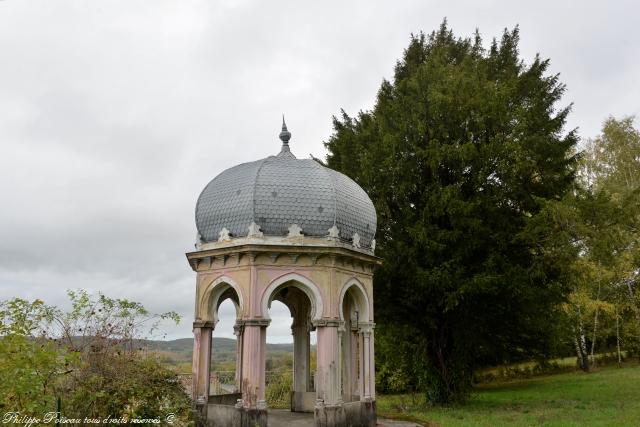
x: 279, y: 191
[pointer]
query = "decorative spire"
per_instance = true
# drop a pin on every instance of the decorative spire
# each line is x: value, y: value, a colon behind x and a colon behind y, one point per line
x: 285, y: 135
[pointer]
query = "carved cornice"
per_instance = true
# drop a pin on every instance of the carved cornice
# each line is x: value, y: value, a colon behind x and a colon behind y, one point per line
x: 294, y: 257
x: 343, y: 253
x: 232, y: 256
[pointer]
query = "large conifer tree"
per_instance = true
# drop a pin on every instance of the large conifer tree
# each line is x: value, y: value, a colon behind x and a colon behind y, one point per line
x: 461, y: 153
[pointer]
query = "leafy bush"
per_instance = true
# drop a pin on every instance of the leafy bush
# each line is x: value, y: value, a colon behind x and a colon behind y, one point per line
x: 91, y: 357
x: 278, y: 391
x: 31, y: 365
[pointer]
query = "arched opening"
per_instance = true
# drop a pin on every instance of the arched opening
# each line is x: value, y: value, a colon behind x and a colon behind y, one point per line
x: 290, y: 383
x: 224, y: 350
x: 217, y: 357
x: 216, y: 293
x: 354, y: 312
x: 279, y: 357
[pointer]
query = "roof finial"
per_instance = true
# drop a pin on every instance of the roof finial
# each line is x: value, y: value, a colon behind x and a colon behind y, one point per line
x: 285, y: 135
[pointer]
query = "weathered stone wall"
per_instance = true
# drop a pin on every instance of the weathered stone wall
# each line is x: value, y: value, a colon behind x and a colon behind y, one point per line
x: 225, y: 399
x: 303, y: 401
x: 360, y: 414
x: 232, y: 416
x: 223, y: 416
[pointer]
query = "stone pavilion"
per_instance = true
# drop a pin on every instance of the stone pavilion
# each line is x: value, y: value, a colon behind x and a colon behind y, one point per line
x: 295, y: 231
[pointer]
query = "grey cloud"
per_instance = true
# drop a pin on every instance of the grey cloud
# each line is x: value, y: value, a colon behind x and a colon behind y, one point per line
x: 114, y: 115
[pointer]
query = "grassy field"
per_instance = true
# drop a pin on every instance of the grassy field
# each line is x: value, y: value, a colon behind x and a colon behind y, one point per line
x: 607, y: 397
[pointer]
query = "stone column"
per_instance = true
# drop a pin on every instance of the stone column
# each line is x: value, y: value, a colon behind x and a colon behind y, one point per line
x: 350, y: 361
x: 238, y: 329
x: 201, y: 361
x: 301, y: 363
x: 361, y: 370
x: 345, y: 362
x: 341, y: 335
x: 329, y: 410
x: 367, y: 392
x: 253, y: 363
x: 355, y: 363
x: 367, y: 362
x: 372, y: 365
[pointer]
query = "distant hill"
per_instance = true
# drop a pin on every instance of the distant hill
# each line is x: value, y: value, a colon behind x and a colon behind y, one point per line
x: 224, y: 345
x: 179, y: 352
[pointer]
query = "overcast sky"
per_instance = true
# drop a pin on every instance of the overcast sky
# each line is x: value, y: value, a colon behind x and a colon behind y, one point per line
x: 114, y: 114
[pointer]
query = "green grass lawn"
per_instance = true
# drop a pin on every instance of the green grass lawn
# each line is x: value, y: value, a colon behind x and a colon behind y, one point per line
x: 607, y: 397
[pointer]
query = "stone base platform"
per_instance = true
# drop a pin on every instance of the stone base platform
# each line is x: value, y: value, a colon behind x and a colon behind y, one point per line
x: 349, y: 414
x: 284, y: 417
